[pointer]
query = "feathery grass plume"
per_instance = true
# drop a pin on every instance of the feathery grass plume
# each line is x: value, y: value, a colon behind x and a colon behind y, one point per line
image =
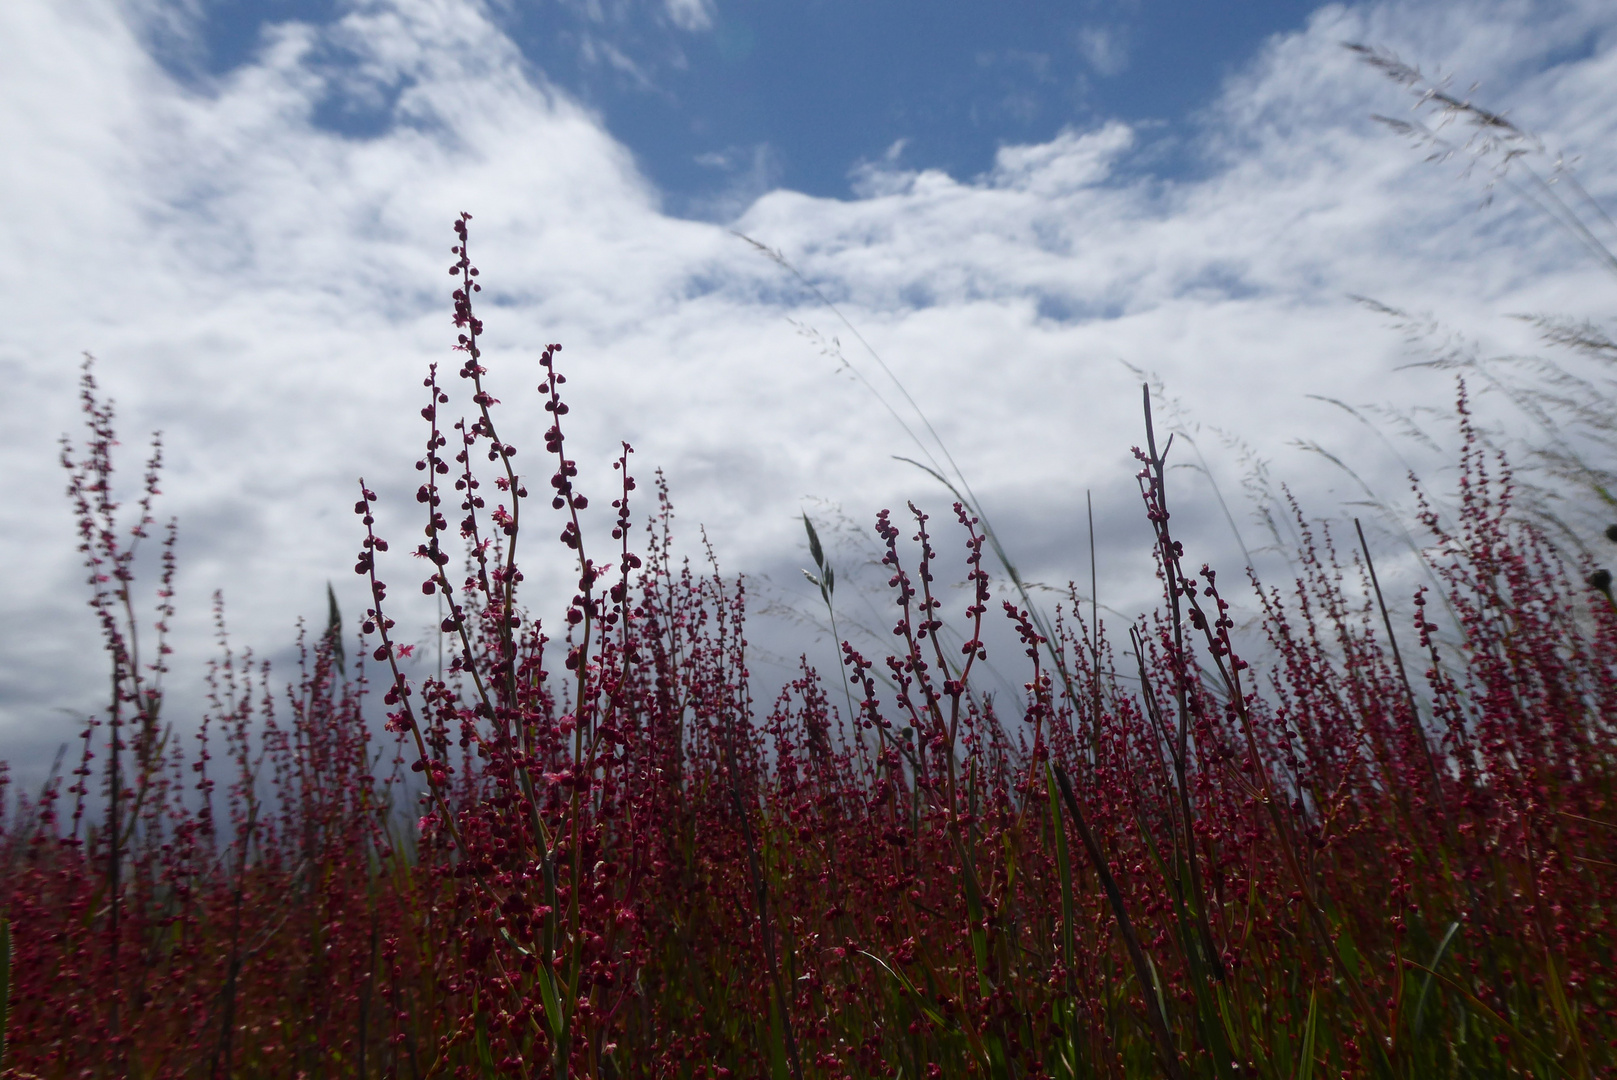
x: 1509, y: 152
x: 1574, y: 413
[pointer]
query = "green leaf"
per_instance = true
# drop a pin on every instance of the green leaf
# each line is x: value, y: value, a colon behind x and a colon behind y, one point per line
x: 334, y: 629
x: 974, y: 912
x: 547, y: 994
x: 815, y: 552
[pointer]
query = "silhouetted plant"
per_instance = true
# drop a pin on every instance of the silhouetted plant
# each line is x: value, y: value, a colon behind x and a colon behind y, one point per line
x: 1164, y: 858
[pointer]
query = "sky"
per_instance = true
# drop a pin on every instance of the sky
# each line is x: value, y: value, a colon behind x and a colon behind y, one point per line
x: 721, y: 103
x: 243, y: 211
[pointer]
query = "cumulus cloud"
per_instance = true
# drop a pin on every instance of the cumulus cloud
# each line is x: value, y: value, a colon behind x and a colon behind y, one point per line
x: 269, y: 293
x: 1069, y: 162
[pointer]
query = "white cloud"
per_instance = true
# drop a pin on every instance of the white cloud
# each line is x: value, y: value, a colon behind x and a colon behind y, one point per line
x: 1069, y: 162
x: 1104, y: 49
x: 269, y: 294
x: 691, y: 15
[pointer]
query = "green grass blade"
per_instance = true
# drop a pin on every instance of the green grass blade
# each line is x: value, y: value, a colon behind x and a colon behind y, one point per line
x: 485, y: 1059
x: 778, y: 1069
x: 1481, y: 1009
x: 1426, y: 984
x: 1563, y: 1011
x: 1305, y: 1067
x: 979, y: 938
x: 547, y: 994
x: 932, y: 1014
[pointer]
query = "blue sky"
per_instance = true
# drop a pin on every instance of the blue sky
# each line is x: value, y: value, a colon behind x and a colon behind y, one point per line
x: 243, y: 211
x: 721, y: 100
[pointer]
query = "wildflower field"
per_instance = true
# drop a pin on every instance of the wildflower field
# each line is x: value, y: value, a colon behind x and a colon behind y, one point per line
x: 1344, y: 844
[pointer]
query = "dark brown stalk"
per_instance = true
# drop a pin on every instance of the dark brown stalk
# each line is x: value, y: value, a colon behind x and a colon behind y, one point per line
x: 1131, y: 941
x: 1153, y: 713
x: 227, y: 1024
x: 365, y: 993
x: 114, y: 852
x: 1216, y: 635
x: 760, y: 892
x: 1156, y: 466
x: 1094, y: 635
x: 1403, y: 677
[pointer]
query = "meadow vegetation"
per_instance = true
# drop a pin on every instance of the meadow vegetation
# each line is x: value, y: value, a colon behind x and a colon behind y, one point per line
x: 1350, y: 845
